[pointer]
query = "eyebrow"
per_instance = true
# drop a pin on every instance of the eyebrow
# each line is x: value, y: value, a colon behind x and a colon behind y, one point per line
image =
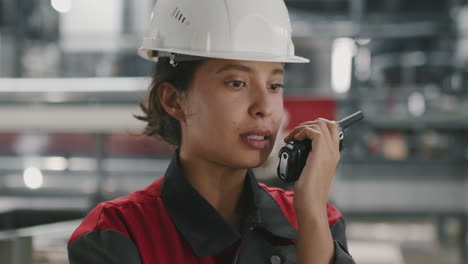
x: 243, y: 68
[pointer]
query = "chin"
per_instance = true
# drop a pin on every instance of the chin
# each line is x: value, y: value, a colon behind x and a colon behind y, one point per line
x: 252, y: 159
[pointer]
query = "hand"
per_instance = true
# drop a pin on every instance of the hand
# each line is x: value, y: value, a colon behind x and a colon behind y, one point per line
x: 313, y: 186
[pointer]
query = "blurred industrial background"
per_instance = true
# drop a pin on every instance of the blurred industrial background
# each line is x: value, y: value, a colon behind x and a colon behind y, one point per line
x: 70, y: 81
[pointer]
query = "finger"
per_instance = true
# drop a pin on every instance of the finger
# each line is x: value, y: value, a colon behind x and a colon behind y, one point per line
x: 299, y: 128
x: 303, y: 125
x: 308, y: 122
x: 293, y: 132
x: 334, y: 131
x: 308, y: 133
x: 327, y: 137
x: 316, y: 120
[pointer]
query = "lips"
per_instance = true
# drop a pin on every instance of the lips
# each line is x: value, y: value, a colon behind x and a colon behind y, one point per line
x: 257, y: 139
x: 265, y: 133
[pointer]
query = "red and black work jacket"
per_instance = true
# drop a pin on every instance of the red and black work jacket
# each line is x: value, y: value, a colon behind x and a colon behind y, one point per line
x: 170, y: 222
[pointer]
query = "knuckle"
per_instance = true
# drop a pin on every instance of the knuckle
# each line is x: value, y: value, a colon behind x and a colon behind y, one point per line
x: 326, y: 121
x: 312, y: 131
x: 336, y: 127
x: 305, y: 123
x: 324, y: 125
x: 321, y: 121
x: 300, y: 127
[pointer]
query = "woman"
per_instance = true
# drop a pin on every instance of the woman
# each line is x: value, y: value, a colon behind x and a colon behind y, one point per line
x: 217, y: 96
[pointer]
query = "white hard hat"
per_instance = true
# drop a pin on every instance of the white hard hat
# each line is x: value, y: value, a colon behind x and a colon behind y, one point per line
x: 255, y: 30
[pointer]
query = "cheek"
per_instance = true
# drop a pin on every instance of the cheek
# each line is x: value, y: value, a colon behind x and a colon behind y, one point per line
x: 278, y: 112
x: 226, y: 115
x: 213, y: 115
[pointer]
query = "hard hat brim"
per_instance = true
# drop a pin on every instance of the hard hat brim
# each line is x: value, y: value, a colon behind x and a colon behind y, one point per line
x: 246, y: 56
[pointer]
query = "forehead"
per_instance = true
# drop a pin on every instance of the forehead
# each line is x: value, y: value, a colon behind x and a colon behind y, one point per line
x: 219, y: 66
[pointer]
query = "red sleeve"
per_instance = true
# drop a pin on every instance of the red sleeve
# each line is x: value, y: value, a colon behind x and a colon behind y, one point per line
x: 105, y: 216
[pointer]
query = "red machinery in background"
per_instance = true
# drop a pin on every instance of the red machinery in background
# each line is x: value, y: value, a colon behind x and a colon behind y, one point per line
x: 128, y: 143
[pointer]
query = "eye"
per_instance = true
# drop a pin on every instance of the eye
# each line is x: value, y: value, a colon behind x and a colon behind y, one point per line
x: 276, y: 86
x: 236, y: 83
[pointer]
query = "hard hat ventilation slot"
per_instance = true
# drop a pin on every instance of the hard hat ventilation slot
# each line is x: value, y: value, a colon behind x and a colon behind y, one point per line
x: 179, y: 16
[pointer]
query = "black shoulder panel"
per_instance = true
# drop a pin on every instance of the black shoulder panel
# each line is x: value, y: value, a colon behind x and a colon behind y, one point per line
x: 103, y: 246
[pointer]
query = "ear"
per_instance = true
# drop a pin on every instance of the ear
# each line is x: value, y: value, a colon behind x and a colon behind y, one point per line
x: 171, y: 100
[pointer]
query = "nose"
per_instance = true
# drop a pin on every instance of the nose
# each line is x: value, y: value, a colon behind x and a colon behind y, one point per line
x: 262, y: 102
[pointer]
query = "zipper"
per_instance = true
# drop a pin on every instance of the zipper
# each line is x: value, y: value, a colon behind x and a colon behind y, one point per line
x: 236, y: 255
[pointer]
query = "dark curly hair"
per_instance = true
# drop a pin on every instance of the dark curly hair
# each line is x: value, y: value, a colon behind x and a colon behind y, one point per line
x: 159, y: 122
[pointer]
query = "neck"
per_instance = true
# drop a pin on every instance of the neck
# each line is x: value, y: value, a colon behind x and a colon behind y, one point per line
x: 219, y: 185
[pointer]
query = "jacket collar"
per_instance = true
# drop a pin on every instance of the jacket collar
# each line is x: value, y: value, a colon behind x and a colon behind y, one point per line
x: 203, y: 227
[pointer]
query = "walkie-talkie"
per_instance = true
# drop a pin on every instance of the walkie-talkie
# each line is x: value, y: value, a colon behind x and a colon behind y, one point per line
x: 293, y: 156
